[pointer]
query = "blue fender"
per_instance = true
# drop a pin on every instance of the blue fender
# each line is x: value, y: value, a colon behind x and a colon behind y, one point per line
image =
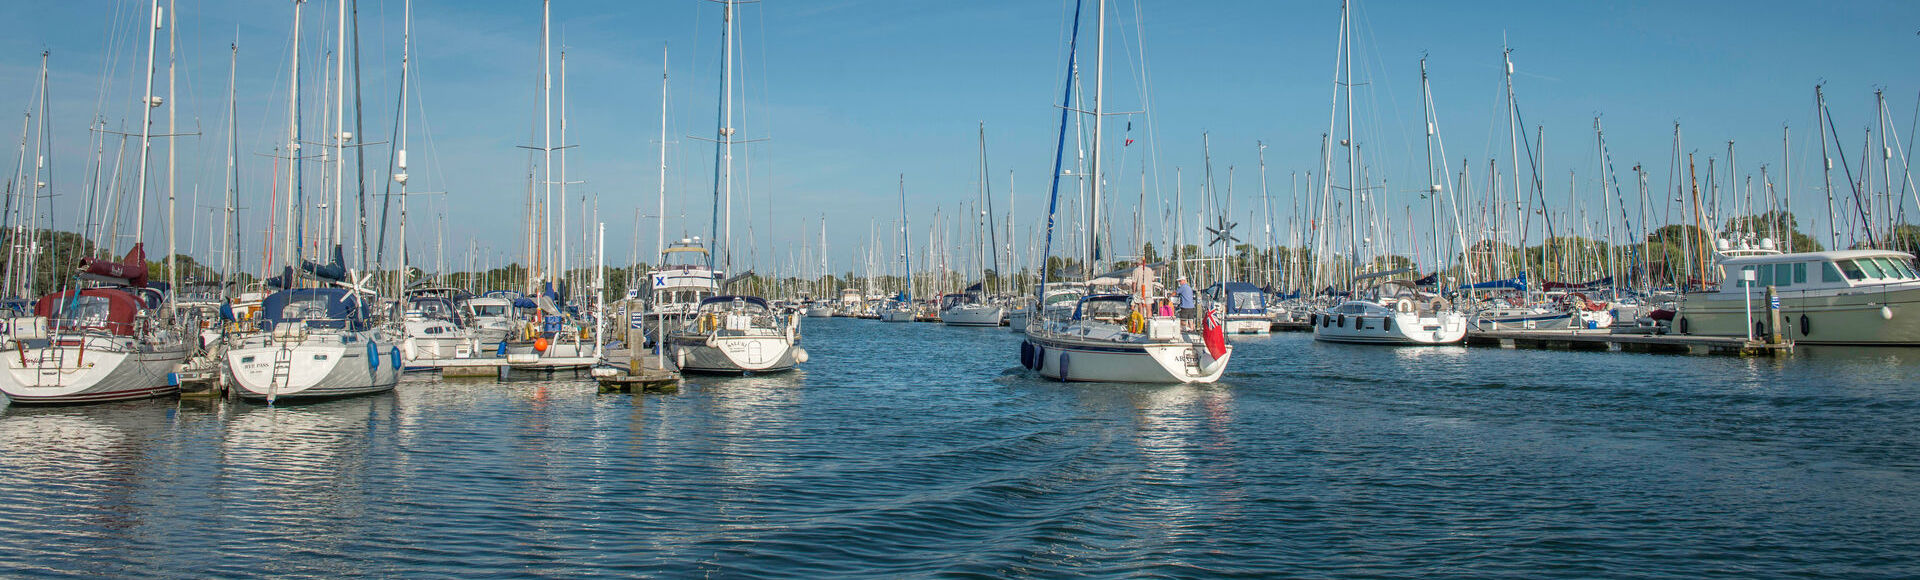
x: 1026, y: 355
x: 373, y: 355
x: 394, y: 355
x: 502, y: 351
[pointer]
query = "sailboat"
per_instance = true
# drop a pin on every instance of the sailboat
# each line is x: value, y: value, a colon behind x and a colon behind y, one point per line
x: 1380, y: 308
x: 1107, y: 337
x: 119, y: 340
x: 973, y: 307
x: 313, y: 341
x: 900, y: 307
x: 733, y: 333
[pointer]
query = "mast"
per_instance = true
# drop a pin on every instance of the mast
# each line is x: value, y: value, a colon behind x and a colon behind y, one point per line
x: 723, y: 149
x: 906, y: 248
x: 1826, y: 165
x: 1353, y: 167
x: 229, y: 237
x: 1099, y: 92
x: 146, y: 132
x: 660, y: 232
x: 400, y: 154
x: 290, y: 249
x: 340, y: 134
x: 546, y: 148
x: 173, y: 42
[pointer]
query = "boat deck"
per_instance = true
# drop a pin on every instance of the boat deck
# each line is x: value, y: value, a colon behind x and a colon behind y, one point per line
x: 1606, y: 340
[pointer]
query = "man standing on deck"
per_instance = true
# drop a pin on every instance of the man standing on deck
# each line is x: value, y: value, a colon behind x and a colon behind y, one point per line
x: 1187, y: 306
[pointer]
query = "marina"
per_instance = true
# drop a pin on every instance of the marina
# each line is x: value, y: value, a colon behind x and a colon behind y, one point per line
x: 331, y: 288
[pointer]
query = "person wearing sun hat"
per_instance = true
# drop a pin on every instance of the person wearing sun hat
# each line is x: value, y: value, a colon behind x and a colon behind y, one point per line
x: 1187, y: 305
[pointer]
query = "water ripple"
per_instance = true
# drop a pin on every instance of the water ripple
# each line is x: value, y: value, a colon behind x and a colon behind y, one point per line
x: 913, y: 450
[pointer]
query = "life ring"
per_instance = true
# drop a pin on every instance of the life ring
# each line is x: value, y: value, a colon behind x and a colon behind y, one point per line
x: 1136, y: 323
x: 1063, y: 367
x: 1403, y: 306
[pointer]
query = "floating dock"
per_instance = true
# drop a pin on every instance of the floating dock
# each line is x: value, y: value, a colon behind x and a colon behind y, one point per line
x: 1605, y: 340
x: 642, y: 374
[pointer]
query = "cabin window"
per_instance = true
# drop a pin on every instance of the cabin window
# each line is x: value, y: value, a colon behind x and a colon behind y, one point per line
x: 1831, y: 273
x: 1906, y: 269
x: 1800, y: 272
x: 305, y: 309
x: 1871, y: 267
x: 1783, y: 274
x: 1894, y: 268
x: 1852, y: 270
x: 1247, y: 301
x: 88, y: 311
x: 1766, y: 274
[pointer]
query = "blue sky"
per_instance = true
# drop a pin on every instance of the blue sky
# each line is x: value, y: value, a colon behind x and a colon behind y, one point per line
x: 853, y: 93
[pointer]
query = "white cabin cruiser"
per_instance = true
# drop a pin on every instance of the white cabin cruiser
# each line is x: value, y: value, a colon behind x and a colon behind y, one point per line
x: 677, y: 287
x: 1856, y: 297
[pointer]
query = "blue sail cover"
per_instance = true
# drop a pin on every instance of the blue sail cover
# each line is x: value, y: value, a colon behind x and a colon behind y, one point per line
x: 1514, y: 283
x: 318, y: 307
x: 1244, y: 298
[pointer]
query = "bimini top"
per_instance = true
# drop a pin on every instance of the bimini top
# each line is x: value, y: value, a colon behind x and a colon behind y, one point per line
x: 1108, y: 306
x: 109, y: 309
x: 318, y: 307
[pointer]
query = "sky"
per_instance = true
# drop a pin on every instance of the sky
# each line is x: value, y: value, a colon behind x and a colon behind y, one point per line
x: 849, y: 97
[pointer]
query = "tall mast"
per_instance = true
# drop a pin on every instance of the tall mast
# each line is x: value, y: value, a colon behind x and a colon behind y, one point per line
x: 660, y: 232
x: 906, y: 248
x: 546, y: 146
x: 1432, y: 185
x: 146, y: 130
x: 723, y: 149
x: 1353, y: 153
x: 1513, y: 140
x: 560, y: 236
x: 1099, y: 90
x: 400, y: 153
x: 229, y: 228
x: 173, y: 42
x: 339, y: 123
x: 290, y: 249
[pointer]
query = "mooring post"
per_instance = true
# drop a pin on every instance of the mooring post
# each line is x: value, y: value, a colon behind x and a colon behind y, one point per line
x: 1773, y: 316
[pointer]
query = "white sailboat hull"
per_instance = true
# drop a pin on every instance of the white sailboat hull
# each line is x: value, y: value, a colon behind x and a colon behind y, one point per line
x: 1064, y: 358
x: 77, y: 374
x: 891, y: 315
x: 318, y: 367
x: 972, y: 315
x: 733, y: 354
x: 1406, y: 328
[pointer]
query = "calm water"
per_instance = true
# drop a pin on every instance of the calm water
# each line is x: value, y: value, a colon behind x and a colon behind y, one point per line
x: 910, y: 450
